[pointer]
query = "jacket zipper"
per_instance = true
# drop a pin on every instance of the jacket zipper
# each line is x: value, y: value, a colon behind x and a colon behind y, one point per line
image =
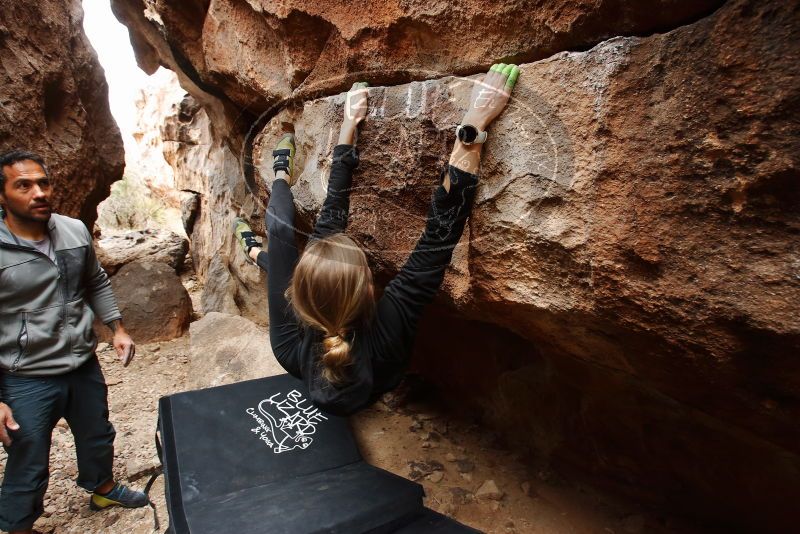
x: 23, y: 332
x: 62, y: 291
x: 63, y: 284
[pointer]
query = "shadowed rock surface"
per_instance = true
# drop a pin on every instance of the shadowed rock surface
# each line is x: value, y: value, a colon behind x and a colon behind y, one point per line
x: 54, y: 100
x: 624, y: 303
x: 154, y: 304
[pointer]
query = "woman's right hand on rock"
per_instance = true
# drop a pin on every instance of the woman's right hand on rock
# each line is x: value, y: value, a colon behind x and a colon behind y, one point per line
x: 490, y: 95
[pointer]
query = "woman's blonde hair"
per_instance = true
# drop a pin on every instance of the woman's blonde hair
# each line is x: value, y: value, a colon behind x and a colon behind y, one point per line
x: 331, y: 290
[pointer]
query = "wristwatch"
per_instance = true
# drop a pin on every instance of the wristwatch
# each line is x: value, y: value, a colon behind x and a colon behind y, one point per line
x: 468, y: 134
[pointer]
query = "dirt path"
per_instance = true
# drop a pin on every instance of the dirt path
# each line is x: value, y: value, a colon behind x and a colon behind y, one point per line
x: 450, y: 458
x: 468, y: 475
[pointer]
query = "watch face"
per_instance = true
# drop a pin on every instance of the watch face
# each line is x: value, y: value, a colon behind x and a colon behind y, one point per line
x: 467, y: 133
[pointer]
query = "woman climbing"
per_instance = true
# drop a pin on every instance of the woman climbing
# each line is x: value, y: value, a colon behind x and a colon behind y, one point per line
x: 325, y: 326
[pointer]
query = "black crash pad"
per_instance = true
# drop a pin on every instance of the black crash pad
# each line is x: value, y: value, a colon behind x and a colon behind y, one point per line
x: 258, y: 456
x: 430, y: 522
x: 355, y: 498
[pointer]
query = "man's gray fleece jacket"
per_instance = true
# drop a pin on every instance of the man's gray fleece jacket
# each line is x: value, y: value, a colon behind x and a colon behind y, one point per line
x: 47, y: 308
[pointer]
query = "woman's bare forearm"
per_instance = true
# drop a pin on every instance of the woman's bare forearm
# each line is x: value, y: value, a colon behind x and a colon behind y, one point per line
x: 464, y: 157
x: 347, y: 133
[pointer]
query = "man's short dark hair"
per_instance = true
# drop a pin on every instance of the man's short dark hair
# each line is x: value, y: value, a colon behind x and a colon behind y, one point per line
x: 13, y: 156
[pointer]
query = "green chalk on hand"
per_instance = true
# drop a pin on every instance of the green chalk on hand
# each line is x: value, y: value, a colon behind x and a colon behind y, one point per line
x: 500, y: 67
x: 507, y: 70
x: 512, y: 77
x: 494, y: 68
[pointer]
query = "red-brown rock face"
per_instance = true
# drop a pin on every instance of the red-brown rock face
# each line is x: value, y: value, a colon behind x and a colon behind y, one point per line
x: 54, y: 100
x: 257, y: 54
x: 625, y: 299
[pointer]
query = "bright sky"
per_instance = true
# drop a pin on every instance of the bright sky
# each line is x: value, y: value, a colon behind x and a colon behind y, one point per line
x: 125, y: 79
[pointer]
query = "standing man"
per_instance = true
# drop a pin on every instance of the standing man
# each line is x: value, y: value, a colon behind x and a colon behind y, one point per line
x: 51, y: 288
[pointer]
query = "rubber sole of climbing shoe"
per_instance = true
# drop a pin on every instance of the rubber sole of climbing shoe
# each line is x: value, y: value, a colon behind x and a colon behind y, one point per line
x: 119, y: 496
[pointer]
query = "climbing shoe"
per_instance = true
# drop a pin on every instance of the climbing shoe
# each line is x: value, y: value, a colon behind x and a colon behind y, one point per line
x: 283, y: 157
x: 245, y: 236
x: 119, y: 495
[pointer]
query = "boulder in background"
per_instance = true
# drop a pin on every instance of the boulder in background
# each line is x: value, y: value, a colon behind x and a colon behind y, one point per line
x: 154, y: 246
x: 154, y: 304
x: 228, y: 348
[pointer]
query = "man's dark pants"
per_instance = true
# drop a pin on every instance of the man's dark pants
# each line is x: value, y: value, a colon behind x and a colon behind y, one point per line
x: 38, y: 403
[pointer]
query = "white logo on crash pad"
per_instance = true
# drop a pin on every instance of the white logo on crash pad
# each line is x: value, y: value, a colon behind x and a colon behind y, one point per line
x: 286, y: 422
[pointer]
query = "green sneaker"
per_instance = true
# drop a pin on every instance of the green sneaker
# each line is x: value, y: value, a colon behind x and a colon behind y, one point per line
x: 246, y: 237
x: 283, y: 157
x: 120, y: 495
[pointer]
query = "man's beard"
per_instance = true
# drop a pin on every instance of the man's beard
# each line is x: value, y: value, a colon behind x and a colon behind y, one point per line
x: 32, y: 216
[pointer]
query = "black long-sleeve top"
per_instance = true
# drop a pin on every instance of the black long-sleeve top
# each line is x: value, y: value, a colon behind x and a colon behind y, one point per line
x: 380, y: 350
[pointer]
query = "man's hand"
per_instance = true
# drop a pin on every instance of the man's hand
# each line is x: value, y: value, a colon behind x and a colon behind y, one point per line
x: 490, y: 95
x: 123, y: 343
x: 6, y: 421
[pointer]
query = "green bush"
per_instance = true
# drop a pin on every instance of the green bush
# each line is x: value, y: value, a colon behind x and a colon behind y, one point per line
x: 131, y: 206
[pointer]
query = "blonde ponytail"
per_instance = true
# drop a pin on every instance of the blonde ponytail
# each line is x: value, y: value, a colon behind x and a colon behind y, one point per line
x: 331, y: 291
x: 336, y: 358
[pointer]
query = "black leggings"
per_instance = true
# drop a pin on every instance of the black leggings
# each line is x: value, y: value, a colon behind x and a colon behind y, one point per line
x: 280, y: 211
x: 280, y: 260
x: 262, y: 261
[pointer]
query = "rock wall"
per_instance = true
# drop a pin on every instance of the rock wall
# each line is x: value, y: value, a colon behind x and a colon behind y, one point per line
x: 54, y: 100
x: 145, y: 157
x: 209, y: 174
x: 147, y: 197
x: 259, y: 52
x: 625, y: 299
x: 241, y: 59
